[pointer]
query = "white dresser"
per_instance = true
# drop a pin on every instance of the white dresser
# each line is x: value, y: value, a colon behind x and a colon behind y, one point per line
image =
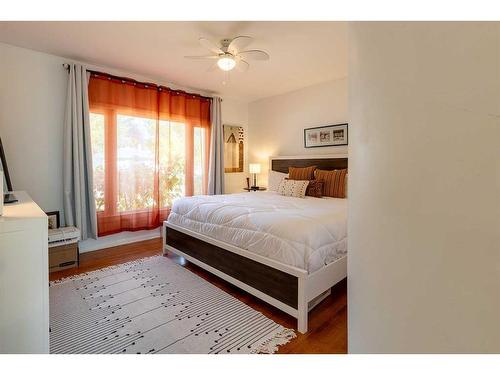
x: 24, y: 278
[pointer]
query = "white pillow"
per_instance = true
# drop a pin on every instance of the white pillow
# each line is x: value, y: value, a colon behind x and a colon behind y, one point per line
x: 293, y: 188
x: 274, y: 179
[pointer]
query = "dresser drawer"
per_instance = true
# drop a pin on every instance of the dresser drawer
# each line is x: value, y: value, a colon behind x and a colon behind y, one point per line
x: 63, y: 257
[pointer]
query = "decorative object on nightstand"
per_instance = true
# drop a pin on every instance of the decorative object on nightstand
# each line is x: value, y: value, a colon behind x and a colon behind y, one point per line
x: 54, y: 219
x: 255, y: 188
x: 63, y: 248
x: 254, y: 168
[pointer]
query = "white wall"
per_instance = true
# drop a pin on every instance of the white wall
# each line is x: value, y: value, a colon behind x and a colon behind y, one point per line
x: 424, y: 180
x: 235, y: 112
x: 277, y: 123
x: 32, y: 101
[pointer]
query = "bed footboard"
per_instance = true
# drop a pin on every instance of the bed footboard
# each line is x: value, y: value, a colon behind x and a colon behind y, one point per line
x: 268, y: 280
x: 290, y: 291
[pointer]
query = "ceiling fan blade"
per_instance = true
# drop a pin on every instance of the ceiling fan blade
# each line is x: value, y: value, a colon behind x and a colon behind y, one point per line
x: 213, y: 68
x: 201, y: 57
x: 210, y: 46
x: 238, y: 44
x: 242, y: 65
x: 254, y: 54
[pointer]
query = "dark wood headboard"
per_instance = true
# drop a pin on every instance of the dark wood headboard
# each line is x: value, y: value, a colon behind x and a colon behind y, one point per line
x: 281, y: 164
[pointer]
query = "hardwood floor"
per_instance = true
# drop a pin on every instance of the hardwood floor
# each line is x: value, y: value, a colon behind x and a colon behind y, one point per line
x: 327, y: 321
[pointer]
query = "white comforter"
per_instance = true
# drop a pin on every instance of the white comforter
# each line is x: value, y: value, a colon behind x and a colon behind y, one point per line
x: 303, y: 232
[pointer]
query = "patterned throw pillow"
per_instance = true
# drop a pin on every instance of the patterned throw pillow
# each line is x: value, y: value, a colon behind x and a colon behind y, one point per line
x: 334, y: 182
x: 293, y: 188
x: 305, y: 173
x: 315, y: 188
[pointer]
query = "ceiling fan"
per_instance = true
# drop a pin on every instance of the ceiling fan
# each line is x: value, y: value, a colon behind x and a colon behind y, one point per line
x: 231, y: 53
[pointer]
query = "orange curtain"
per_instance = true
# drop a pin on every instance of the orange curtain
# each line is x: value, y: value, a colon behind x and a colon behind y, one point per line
x: 150, y: 145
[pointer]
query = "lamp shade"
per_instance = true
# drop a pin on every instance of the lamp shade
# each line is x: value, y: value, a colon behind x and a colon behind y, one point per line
x: 254, y: 168
x: 226, y: 63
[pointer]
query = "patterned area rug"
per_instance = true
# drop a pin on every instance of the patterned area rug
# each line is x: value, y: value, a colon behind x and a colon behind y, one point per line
x: 155, y: 306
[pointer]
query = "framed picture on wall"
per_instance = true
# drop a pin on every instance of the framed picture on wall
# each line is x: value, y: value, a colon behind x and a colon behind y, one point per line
x: 234, y: 140
x: 325, y: 136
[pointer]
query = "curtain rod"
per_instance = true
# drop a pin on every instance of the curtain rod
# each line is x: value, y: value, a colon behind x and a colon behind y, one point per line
x: 67, y: 66
x: 146, y: 83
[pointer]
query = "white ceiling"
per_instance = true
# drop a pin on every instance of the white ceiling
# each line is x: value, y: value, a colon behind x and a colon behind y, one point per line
x: 302, y: 53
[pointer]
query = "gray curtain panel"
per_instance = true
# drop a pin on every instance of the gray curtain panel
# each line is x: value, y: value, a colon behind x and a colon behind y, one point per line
x: 216, y: 165
x: 79, y: 203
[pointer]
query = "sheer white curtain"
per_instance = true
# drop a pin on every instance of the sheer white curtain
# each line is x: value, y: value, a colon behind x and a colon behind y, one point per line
x: 216, y: 167
x: 79, y: 203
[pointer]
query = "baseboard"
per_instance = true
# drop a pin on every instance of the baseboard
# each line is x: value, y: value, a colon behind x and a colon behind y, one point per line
x: 118, y: 239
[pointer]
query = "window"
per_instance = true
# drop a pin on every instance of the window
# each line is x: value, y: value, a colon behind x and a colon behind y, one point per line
x: 149, y: 147
x: 97, y: 136
x: 172, y: 162
x: 136, y: 154
x: 199, y: 161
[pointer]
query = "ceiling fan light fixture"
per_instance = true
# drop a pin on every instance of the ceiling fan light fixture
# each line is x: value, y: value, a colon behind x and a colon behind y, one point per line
x: 226, y: 63
x: 230, y: 54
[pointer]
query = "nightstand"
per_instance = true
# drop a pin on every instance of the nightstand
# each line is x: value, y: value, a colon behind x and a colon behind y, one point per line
x: 255, y: 189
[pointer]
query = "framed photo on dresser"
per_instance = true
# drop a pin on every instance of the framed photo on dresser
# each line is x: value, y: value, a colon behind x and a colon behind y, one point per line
x: 53, y: 219
x: 325, y: 136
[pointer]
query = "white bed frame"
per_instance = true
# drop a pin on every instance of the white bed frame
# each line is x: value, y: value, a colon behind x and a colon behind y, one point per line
x: 312, y: 288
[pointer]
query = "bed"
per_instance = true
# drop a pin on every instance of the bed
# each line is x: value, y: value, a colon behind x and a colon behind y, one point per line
x: 286, y: 251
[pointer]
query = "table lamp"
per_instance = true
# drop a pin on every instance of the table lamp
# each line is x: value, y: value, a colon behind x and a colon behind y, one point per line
x: 254, y: 169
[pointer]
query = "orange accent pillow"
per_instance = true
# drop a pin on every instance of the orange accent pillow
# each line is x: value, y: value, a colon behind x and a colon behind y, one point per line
x: 334, y: 182
x: 304, y: 173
